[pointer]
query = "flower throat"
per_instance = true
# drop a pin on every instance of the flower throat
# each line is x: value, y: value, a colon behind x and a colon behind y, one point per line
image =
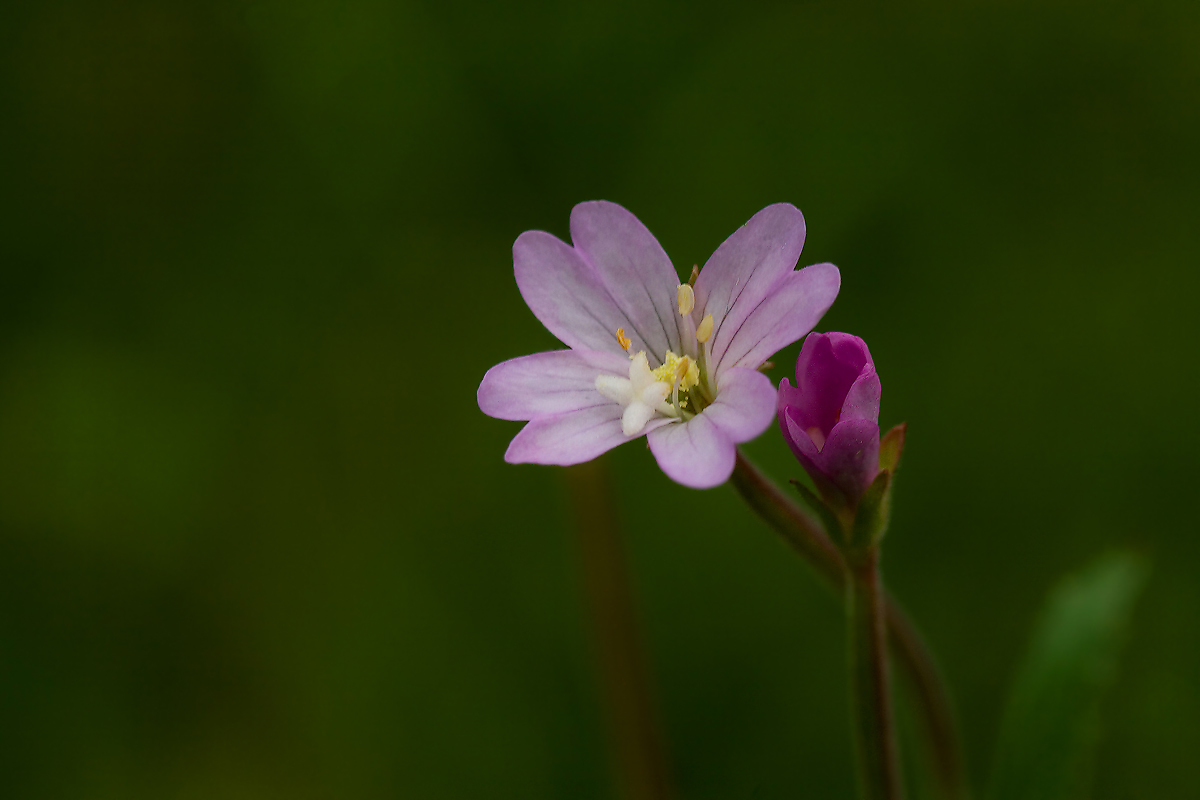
x: 680, y: 378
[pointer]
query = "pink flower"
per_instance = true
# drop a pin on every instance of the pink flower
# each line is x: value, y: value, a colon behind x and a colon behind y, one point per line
x: 830, y: 418
x: 648, y: 355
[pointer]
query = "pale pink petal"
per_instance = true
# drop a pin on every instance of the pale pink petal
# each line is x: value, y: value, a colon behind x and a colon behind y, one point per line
x: 694, y: 453
x: 787, y: 313
x: 573, y: 437
x: 745, y: 404
x: 634, y: 268
x: 550, y: 383
x: 570, y: 438
x: 567, y: 296
x: 745, y: 268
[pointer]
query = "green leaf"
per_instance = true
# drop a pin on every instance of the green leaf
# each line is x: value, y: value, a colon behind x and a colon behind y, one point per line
x: 1051, y: 726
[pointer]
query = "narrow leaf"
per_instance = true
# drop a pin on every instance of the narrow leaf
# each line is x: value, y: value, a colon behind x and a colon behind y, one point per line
x: 1051, y: 726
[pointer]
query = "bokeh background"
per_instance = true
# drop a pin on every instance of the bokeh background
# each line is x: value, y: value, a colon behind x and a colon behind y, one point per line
x: 256, y: 539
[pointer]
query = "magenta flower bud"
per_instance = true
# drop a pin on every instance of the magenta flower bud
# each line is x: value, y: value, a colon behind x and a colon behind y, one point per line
x: 830, y: 418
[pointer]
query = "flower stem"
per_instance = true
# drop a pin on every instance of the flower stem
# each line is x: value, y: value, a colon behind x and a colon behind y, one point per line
x: 806, y: 536
x: 934, y: 708
x: 635, y: 737
x: 870, y: 692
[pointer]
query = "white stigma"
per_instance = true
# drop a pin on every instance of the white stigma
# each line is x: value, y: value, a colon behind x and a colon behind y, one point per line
x: 641, y: 394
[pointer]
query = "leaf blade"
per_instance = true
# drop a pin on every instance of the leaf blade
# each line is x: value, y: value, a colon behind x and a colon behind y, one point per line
x: 1051, y: 725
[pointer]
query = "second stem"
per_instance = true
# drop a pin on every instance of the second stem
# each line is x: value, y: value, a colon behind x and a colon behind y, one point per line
x: 870, y: 688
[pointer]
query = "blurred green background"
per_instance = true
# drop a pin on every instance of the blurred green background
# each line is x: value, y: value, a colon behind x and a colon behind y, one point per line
x: 256, y: 539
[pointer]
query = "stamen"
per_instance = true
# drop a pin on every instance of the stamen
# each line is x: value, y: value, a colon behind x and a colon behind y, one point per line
x: 623, y: 340
x: 678, y: 369
x: 704, y: 329
x: 695, y: 274
x: 686, y: 298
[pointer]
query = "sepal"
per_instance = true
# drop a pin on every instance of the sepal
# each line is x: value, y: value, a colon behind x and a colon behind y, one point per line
x: 891, y: 446
x: 874, y: 509
x: 829, y: 519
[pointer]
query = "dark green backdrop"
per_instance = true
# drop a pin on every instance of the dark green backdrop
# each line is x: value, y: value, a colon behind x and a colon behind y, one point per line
x: 256, y: 539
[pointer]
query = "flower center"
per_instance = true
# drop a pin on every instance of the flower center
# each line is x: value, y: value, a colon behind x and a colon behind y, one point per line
x: 678, y: 368
x: 681, y: 378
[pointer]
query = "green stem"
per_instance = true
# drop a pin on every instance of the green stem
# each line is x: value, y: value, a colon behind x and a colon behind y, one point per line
x: 635, y: 736
x: 806, y: 536
x: 934, y: 709
x: 870, y: 691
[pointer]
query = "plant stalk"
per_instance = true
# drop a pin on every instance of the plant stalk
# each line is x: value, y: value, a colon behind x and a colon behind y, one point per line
x: 870, y: 691
x: 916, y: 664
x: 636, y: 742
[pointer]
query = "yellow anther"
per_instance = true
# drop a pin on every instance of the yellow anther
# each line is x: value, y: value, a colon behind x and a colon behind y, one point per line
x: 678, y: 368
x: 704, y: 329
x: 686, y: 299
x: 623, y: 340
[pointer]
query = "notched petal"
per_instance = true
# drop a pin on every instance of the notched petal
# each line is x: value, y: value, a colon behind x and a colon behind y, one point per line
x: 694, y: 453
x: 634, y: 270
x: 744, y: 269
x: 570, y: 438
x: 745, y: 404
x: 544, y: 384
